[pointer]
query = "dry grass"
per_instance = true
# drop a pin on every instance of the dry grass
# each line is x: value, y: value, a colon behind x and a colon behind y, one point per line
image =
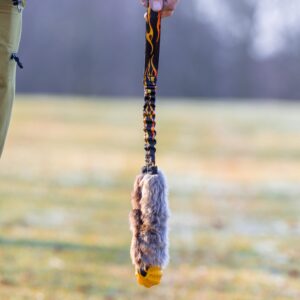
x: 66, y: 177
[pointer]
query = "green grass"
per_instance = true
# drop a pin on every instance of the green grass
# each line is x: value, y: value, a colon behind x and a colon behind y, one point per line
x: 65, y: 183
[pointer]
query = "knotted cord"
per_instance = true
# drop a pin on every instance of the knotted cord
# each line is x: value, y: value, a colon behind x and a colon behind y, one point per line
x: 153, y: 31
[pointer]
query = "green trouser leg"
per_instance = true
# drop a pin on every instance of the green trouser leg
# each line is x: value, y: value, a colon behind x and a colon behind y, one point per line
x: 10, y: 33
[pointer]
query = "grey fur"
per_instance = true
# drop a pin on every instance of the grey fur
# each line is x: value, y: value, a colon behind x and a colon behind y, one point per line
x: 148, y: 220
x: 135, y: 219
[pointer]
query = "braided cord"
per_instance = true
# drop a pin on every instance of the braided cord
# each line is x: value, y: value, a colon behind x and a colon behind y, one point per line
x: 153, y: 29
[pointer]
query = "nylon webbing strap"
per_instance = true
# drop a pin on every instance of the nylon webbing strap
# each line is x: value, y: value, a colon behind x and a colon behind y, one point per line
x: 153, y: 31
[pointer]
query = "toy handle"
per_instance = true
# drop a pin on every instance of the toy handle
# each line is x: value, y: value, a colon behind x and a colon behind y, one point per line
x: 153, y: 33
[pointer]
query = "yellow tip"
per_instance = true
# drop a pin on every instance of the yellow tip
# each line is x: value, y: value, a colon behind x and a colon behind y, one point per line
x: 153, y: 277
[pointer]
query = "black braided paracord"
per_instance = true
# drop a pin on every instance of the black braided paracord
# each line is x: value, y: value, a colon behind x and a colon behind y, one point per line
x: 149, y: 129
x: 153, y: 27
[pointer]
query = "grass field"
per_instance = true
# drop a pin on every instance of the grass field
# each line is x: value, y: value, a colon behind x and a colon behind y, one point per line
x: 65, y: 183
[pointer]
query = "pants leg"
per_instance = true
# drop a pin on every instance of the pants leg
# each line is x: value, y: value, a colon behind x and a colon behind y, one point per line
x: 10, y: 34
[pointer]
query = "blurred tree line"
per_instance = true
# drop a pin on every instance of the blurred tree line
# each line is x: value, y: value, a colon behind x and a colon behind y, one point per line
x: 210, y: 48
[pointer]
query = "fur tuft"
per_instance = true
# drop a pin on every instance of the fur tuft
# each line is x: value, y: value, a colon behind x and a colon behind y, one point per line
x: 135, y: 219
x: 148, y: 220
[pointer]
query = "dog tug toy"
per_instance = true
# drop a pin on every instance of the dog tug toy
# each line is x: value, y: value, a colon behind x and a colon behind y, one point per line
x: 149, y: 214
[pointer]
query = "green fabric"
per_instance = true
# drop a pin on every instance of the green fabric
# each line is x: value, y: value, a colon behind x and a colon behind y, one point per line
x: 10, y: 33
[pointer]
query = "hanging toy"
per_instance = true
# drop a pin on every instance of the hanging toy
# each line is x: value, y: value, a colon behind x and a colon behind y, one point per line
x: 149, y: 214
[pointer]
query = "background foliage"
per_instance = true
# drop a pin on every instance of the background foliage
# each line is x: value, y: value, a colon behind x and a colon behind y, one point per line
x: 210, y: 48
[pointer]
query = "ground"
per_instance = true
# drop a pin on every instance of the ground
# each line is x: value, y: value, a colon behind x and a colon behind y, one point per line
x: 65, y: 182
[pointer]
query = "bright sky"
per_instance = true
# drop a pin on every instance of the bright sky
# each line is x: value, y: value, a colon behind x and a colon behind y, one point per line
x: 275, y: 21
